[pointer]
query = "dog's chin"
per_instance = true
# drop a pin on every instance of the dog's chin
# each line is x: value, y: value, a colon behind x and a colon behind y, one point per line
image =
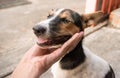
x: 55, y: 42
x: 49, y: 46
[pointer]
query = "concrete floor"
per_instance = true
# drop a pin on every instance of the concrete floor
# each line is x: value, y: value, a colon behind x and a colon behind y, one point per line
x: 19, y: 16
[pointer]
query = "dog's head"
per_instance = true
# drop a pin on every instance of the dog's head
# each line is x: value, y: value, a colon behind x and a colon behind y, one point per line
x: 60, y: 25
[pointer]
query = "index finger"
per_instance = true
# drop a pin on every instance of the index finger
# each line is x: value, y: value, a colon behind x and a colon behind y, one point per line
x: 67, y: 46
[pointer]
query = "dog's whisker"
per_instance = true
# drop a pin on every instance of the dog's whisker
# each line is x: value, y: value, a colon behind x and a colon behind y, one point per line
x: 56, y: 33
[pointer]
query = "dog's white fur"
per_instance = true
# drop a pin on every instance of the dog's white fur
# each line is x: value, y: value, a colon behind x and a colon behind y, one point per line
x: 45, y: 23
x: 93, y: 67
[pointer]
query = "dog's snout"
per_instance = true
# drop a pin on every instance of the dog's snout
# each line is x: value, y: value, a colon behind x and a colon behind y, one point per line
x: 39, y: 30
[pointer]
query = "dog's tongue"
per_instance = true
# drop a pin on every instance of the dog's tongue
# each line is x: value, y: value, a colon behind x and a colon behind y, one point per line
x: 41, y: 40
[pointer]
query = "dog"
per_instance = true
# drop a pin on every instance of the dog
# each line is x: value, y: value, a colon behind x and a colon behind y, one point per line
x: 61, y: 25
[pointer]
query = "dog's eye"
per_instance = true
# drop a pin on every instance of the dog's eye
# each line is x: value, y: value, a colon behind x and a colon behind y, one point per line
x: 49, y: 16
x: 64, y: 20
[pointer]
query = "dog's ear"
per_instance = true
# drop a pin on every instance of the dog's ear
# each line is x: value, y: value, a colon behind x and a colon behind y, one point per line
x: 51, y: 12
x: 93, y: 19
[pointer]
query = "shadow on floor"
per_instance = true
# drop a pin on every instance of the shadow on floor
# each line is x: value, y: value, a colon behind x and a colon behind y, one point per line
x: 12, y: 3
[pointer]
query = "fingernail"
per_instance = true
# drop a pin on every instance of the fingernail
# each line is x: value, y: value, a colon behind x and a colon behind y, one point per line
x: 81, y: 33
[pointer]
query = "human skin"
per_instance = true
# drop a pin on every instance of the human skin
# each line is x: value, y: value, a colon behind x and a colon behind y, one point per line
x: 36, y: 61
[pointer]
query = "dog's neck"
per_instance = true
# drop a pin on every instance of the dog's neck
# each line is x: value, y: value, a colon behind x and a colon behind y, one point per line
x: 73, y: 58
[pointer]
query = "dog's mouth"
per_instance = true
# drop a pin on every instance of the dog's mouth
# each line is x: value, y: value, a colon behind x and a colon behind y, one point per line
x: 52, y: 42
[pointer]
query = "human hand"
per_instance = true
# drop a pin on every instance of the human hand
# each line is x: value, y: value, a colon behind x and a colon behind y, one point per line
x: 36, y: 61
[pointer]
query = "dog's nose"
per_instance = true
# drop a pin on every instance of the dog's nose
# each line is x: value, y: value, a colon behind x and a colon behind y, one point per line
x: 39, y: 30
